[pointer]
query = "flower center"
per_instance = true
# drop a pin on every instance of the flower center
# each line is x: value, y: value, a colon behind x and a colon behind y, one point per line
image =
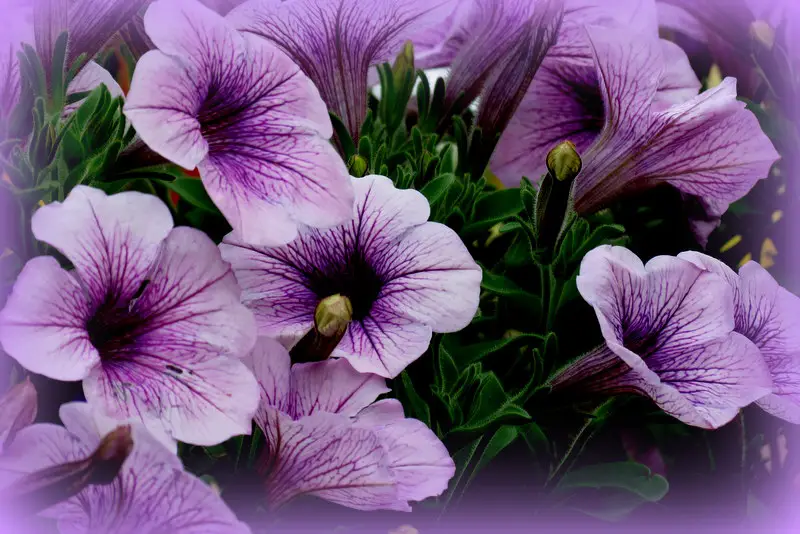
x: 355, y: 279
x: 115, y: 326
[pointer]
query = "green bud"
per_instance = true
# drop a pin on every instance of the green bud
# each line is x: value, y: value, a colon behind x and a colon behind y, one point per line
x: 332, y: 315
x: 404, y: 63
x: 563, y: 162
x: 358, y: 166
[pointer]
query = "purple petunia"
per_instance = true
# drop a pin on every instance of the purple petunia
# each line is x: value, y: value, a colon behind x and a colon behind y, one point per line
x: 337, y: 41
x: 327, y: 437
x: 149, y: 318
x: 152, y: 494
x: 565, y: 101
x: 669, y: 334
x: 405, y: 278
x: 710, y: 147
x: 769, y: 316
x: 237, y: 108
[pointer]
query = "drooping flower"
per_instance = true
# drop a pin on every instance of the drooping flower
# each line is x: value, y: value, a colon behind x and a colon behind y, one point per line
x: 243, y: 113
x: 668, y: 329
x: 404, y: 278
x: 325, y: 436
x: 769, y: 316
x: 336, y: 42
x: 152, y: 494
x: 710, y: 148
x: 149, y: 319
x: 18, y: 408
x: 565, y: 100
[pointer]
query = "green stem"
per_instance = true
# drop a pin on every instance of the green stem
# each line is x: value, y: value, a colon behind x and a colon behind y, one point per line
x: 567, y: 455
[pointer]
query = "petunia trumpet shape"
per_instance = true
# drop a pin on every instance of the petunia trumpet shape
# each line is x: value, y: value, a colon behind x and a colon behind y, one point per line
x: 152, y: 494
x: 404, y: 277
x: 769, y: 316
x: 710, y: 148
x: 668, y: 329
x: 149, y: 318
x: 325, y: 436
x: 337, y: 41
x: 565, y: 101
x: 238, y: 109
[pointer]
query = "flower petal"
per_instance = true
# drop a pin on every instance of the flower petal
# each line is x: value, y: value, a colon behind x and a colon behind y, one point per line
x: 433, y: 279
x: 43, y: 325
x: 161, y: 106
x: 93, y: 22
x: 332, y: 386
x: 325, y: 455
x: 418, y: 461
x: 336, y: 42
x: 384, y: 343
x: 708, y: 384
x: 270, y: 363
x: 18, y: 407
x: 111, y: 241
x: 183, y: 370
x: 90, y: 77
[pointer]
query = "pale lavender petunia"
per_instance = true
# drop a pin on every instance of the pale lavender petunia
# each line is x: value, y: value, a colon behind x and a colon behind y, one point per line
x: 18, y: 408
x: 404, y: 276
x: 245, y: 115
x: 149, y: 319
x: 769, y: 316
x: 337, y: 41
x: 328, y: 438
x: 668, y: 329
x: 152, y: 494
x: 565, y: 101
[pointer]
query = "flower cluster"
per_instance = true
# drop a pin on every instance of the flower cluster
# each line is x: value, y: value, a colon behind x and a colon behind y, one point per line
x: 245, y: 259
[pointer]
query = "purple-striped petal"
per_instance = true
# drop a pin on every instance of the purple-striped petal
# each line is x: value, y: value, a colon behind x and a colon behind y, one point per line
x: 769, y: 316
x: 151, y: 495
x: 182, y: 371
x: 47, y: 334
x: 242, y: 112
x: 336, y: 42
x: 404, y: 276
x: 671, y: 324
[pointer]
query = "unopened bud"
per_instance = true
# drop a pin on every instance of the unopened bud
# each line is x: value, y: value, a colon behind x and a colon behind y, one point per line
x: 404, y: 62
x: 357, y: 166
x: 332, y: 315
x: 762, y: 33
x: 563, y: 162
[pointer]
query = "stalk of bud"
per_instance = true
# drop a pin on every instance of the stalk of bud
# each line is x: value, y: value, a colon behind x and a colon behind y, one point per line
x: 553, y: 208
x: 331, y: 319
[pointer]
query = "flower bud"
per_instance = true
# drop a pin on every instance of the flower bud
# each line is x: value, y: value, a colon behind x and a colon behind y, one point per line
x: 357, y: 166
x: 563, y: 162
x: 403, y: 64
x: 332, y: 315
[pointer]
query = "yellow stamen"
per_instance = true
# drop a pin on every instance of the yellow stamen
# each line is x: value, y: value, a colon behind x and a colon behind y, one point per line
x: 747, y: 258
x: 768, y: 252
x: 777, y: 215
x: 732, y: 242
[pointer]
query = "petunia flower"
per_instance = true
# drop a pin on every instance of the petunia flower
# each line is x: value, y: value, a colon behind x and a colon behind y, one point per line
x: 565, y: 100
x: 152, y: 494
x: 149, y: 318
x: 337, y: 41
x: 18, y: 407
x: 403, y: 277
x: 769, y: 316
x: 668, y: 329
x: 710, y: 148
x: 325, y: 436
x: 243, y: 113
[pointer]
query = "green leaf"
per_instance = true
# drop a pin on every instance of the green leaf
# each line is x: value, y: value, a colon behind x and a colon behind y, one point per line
x: 629, y: 476
x: 419, y: 407
x: 502, y: 438
x: 465, y: 355
x: 494, y: 207
x: 345, y: 140
x: 437, y: 189
x: 503, y: 285
x: 192, y: 191
x: 492, y: 406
